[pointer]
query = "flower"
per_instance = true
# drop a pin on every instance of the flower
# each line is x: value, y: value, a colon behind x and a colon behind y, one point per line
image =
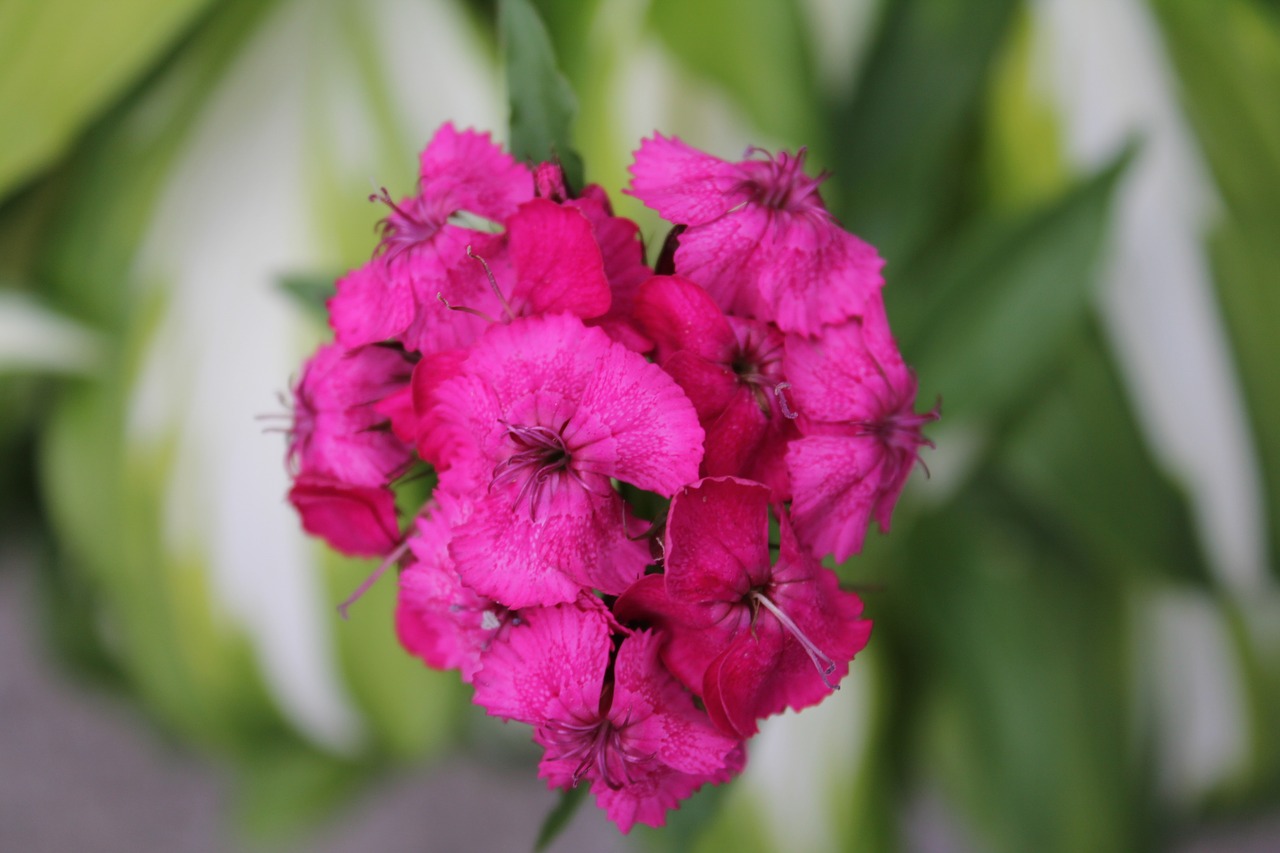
x: 543, y: 414
x: 570, y: 563
x: 458, y: 172
x: 751, y: 637
x: 338, y: 428
x: 861, y: 435
x: 357, y: 520
x: 757, y: 235
x: 731, y: 368
x: 438, y: 618
x: 629, y: 730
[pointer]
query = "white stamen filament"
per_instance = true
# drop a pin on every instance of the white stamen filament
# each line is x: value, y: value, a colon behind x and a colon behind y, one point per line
x: 782, y: 400
x: 824, y: 664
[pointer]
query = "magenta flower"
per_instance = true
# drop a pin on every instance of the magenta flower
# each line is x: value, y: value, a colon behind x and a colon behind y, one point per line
x: 632, y: 732
x: 749, y: 636
x: 732, y: 371
x: 458, y: 171
x: 438, y: 618
x: 338, y: 429
x: 547, y: 262
x: 501, y: 335
x: 543, y: 414
x: 758, y: 236
x: 862, y: 436
x: 357, y: 520
x: 623, y: 253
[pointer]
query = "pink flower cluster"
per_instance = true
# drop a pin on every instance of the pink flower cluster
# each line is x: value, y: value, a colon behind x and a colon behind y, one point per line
x: 611, y: 446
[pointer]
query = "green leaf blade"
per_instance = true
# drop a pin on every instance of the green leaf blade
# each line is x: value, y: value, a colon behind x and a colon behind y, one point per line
x: 542, y: 104
x: 558, y: 818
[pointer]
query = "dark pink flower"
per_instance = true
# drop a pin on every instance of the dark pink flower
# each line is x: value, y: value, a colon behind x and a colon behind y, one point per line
x: 542, y: 415
x: 862, y: 436
x: 758, y: 236
x: 547, y: 262
x: 459, y: 172
x: 749, y: 636
x: 623, y: 253
x: 338, y: 428
x: 620, y: 247
x: 357, y: 520
x: 731, y: 369
x: 437, y: 617
x: 634, y: 734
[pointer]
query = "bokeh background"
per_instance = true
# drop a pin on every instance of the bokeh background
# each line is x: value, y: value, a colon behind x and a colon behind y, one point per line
x: 1077, y: 643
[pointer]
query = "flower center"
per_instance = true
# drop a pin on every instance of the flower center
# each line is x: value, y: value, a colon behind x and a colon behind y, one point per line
x: 539, y: 460
x: 402, y: 230
x: 779, y: 182
x: 900, y: 430
x: 757, y: 363
x: 600, y: 747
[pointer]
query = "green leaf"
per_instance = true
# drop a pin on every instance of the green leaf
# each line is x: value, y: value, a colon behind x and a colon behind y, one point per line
x: 105, y: 194
x: 1022, y: 146
x: 758, y: 50
x: 1021, y: 658
x: 286, y: 791
x: 412, y: 710
x: 1228, y: 58
x: 542, y: 104
x: 558, y: 818
x: 37, y: 340
x: 900, y: 141
x: 62, y: 62
x: 310, y: 292
x: 990, y: 313
x: 1080, y: 463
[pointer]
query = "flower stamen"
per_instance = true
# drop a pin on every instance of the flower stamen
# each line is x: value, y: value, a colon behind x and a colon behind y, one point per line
x: 373, y: 577
x: 787, y: 411
x: 824, y: 664
x: 493, y: 283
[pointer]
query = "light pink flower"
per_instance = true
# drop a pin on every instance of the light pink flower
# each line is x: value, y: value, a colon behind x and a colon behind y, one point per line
x: 541, y: 416
x: 636, y: 736
x: 749, y: 636
x: 758, y: 236
x: 862, y: 436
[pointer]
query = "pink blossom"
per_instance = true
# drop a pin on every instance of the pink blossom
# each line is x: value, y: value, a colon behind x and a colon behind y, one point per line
x: 437, y: 617
x: 623, y: 253
x: 542, y: 415
x: 732, y: 371
x: 749, y: 636
x: 635, y: 735
x: 758, y: 236
x: 547, y: 262
x: 338, y: 429
x: 357, y: 520
x: 862, y: 436
x: 459, y: 171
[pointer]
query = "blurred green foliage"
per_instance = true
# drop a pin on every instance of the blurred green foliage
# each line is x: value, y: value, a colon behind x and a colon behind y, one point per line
x: 1008, y: 601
